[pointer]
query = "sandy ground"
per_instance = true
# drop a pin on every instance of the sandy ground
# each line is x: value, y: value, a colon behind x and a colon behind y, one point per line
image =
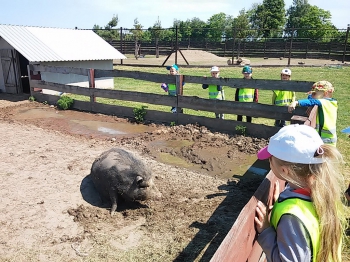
x: 199, y: 57
x: 50, y: 210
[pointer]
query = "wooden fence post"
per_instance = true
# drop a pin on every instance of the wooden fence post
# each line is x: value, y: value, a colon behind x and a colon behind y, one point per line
x: 307, y: 48
x: 290, y: 47
x: 233, y: 45
x: 91, y: 76
x: 346, y: 42
x: 176, y: 44
x: 121, y: 43
x: 179, y: 91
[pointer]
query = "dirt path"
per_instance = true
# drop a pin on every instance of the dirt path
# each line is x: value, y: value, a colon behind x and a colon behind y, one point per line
x: 51, y: 212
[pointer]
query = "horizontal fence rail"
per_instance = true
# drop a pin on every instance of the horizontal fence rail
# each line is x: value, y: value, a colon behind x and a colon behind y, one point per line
x: 181, y: 100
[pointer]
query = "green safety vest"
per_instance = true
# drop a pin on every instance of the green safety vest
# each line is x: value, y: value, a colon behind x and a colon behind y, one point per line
x: 214, y: 93
x: 171, y: 89
x: 328, y: 116
x: 283, y: 98
x: 305, y: 211
x: 246, y: 95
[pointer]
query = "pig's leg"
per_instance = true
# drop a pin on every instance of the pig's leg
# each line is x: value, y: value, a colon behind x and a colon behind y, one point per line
x: 114, y: 198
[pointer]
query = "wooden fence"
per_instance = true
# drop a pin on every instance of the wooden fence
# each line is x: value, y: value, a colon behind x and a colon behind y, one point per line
x: 181, y: 101
x: 266, y: 48
x: 240, y: 243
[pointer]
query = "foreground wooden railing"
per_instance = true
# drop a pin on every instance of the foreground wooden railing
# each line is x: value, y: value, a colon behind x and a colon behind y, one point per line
x: 180, y: 101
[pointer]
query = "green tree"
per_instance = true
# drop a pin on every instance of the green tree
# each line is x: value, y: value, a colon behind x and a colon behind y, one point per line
x: 216, y: 27
x: 241, y: 24
x: 198, y: 29
x: 310, y: 22
x: 109, y: 32
x: 137, y: 33
x: 269, y: 18
x: 156, y: 33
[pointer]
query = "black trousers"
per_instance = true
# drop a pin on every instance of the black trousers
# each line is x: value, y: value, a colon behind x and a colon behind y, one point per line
x: 240, y: 118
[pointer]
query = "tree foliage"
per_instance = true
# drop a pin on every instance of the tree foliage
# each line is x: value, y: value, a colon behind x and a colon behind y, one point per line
x: 266, y: 20
x: 310, y: 21
x: 109, y: 32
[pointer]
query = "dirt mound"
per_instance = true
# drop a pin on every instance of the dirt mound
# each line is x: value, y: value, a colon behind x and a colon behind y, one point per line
x: 195, y: 56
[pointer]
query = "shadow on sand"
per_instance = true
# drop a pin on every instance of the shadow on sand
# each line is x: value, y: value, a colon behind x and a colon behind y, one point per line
x: 213, y: 232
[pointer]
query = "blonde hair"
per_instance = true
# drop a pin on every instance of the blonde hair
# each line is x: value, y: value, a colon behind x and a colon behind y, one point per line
x: 327, y: 186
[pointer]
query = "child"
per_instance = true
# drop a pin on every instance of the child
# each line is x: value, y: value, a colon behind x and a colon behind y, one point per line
x: 283, y: 98
x: 326, y: 119
x: 306, y: 220
x: 347, y: 192
x: 215, y: 91
x: 246, y: 94
x: 171, y: 88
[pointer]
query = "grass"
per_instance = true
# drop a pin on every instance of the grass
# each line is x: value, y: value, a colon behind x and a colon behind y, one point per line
x: 339, y: 77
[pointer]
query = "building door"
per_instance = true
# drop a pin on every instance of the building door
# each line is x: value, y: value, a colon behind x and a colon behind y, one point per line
x: 10, y: 71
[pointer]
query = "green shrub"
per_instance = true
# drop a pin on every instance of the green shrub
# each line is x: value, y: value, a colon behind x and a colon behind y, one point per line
x: 241, y: 130
x: 31, y: 98
x: 65, y: 102
x: 139, y: 114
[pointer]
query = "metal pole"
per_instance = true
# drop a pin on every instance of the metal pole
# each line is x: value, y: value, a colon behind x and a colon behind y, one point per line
x: 346, y: 42
x: 290, y: 47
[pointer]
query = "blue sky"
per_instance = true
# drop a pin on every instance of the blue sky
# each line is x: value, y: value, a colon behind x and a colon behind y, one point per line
x: 86, y: 13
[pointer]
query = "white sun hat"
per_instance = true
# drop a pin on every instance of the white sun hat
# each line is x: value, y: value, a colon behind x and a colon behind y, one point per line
x: 286, y: 71
x: 295, y: 144
x: 215, y: 69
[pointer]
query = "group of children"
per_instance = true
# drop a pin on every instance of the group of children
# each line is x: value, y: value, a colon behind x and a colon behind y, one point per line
x: 306, y: 221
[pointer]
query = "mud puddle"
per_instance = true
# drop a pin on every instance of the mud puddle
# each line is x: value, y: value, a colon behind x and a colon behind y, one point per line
x: 82, y: 123
x: 190, y: 147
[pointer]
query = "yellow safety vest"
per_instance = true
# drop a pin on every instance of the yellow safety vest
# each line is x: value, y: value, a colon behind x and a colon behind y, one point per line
x: 214, y: 93
x: 246, y: 95
x: 283, y: 98
x: 328, y: 116
x: 171, y: 89
x: 305, y: 211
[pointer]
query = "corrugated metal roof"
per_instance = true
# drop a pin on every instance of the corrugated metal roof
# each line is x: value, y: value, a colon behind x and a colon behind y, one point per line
x: 43, y: 44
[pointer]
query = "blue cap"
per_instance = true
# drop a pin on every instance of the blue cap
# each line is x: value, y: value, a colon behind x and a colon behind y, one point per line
x: 346, y: 130
x: 247, y: 69
x: 174, y: 66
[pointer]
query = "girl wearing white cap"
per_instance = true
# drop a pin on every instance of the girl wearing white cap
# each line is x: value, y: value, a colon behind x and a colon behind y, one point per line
x: 306, y: 221
x: 215, y: 91
x: 283, y: 98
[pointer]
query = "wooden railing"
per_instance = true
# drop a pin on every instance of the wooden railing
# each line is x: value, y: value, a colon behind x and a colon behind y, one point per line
x: 181, y: 100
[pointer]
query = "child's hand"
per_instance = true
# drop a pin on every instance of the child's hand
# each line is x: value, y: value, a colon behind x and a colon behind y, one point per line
x: 262, y: 217
x: 292, y: 106
x: 164, y: 87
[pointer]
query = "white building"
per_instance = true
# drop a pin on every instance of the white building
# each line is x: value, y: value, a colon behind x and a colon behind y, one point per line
x: 23, y: 45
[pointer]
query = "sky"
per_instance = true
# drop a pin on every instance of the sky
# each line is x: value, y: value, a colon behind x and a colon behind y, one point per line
x: 84, y: 14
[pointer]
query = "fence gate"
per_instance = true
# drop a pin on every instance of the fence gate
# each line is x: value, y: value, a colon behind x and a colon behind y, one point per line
x: 11, y: 71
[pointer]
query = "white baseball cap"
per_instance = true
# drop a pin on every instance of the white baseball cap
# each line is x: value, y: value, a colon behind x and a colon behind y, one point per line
x: 215, y: 69
x: 295, y: 144
x: 286, y: 71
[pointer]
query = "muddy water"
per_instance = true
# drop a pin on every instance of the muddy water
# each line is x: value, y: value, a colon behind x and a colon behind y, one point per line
x: 80, y: 123
x: 91, y: 124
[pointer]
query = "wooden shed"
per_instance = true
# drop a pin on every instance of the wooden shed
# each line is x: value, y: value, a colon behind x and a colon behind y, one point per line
x: 23, y: 45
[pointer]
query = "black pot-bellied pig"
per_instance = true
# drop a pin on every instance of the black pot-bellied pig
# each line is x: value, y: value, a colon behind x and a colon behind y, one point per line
x: 119, y: 173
